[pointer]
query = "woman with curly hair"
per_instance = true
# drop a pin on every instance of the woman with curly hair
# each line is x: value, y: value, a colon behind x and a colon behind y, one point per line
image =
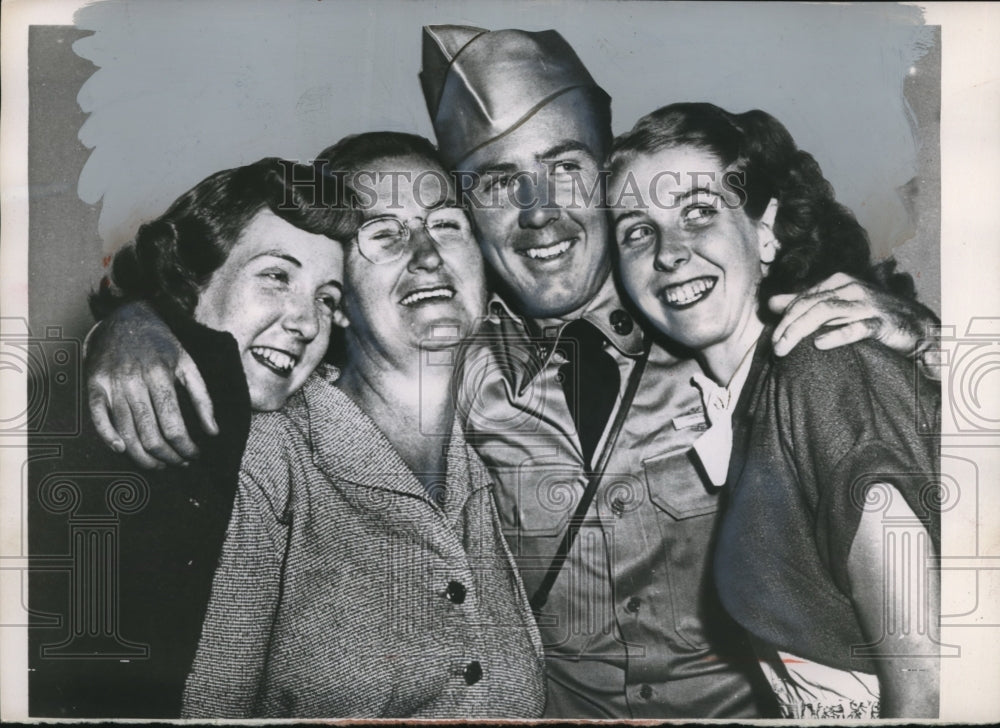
x: 243, y: 252
x: 816, y: 450
x: 247, y: 272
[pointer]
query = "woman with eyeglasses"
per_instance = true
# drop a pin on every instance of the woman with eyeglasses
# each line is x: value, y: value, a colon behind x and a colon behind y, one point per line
x: 364, y: 573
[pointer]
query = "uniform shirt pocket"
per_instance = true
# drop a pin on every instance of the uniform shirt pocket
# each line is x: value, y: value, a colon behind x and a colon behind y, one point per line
x: 676, y: 486
x: 685, y: 510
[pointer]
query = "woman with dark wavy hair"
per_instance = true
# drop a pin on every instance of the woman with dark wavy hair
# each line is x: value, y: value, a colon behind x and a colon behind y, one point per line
x: 818, y: 450
x: 247, y: 272
x: 243, y: 252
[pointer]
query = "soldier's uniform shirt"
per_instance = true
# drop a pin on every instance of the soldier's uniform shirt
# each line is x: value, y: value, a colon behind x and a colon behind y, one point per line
x: 631, y: 628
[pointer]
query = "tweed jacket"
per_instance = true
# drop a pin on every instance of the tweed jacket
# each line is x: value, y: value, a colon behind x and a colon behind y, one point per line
x: 632, y: 628
x: 345, y: 590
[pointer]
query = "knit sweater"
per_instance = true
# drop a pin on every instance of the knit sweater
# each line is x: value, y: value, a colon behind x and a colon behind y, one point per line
x: 814, y: 431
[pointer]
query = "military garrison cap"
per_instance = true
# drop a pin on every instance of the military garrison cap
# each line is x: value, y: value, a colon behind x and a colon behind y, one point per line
x: 480, y: 84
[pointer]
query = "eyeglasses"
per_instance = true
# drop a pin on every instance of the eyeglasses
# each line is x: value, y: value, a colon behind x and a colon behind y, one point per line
x: 385, y: 239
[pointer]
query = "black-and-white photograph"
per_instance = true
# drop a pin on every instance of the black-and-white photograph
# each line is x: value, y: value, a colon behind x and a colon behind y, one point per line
x: 557, y: 360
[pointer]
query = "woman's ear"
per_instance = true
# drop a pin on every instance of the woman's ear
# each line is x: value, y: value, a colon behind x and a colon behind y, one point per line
x: 768, y: 244
x: 340, y: 318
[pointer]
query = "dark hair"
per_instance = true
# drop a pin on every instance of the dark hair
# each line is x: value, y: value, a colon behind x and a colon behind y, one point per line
x: 174, y: 256
x: 818, y: 235
x: 338, y: 164
x: 356, y: 152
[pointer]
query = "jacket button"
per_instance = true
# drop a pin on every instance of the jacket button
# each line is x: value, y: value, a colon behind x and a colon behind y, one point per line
x: 646, y: 692
x: 633, y: 604
x: 455, y: 592
x: 472, y: 673
x: 621, y: 322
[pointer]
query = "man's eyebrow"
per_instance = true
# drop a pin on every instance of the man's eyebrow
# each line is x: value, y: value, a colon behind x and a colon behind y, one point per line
x: 570, y: 145
x: 279, y: 254
x: 495, y: 168
x: 563, y: 147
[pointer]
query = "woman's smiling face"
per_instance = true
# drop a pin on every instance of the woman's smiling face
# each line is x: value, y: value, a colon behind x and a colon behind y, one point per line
x: 689, y: 256
x: 433, y: 294
x: 278, y: 294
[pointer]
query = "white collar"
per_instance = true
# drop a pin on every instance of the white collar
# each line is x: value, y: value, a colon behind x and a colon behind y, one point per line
x: 715, y: 445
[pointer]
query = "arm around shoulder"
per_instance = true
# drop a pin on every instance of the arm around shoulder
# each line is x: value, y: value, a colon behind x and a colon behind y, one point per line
x: 843, y: 310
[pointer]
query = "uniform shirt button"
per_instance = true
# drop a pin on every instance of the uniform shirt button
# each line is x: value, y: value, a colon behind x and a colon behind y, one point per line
x: 621, y: 322
x: 496, y: 308
x: 455, y: 592
x: 633, y: 604
x: 646, y: 692
x: 472, y: 673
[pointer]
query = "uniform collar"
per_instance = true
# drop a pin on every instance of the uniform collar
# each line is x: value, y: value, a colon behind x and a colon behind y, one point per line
x: 715, y: 445
x: 527, y: 345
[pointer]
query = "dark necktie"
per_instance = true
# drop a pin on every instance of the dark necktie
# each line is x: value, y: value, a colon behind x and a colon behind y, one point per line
x: 590, y: 381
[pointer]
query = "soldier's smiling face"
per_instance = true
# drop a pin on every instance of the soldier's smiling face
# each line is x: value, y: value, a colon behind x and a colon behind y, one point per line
x: 539, y: 212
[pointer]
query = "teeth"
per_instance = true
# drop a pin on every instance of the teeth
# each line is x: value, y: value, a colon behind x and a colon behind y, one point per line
x: 278, y: 360
x: 418, y: 296
x: 550, y: 251
x: 688, y: 292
